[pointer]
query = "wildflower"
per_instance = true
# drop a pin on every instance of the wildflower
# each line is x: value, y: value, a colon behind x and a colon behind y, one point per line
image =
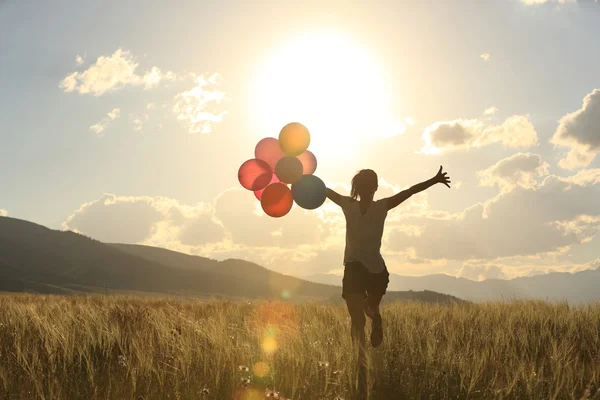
x: 271, y: 394
x: 330, y: 341
x: 243, y: 368
x: 205, y: 391
x: 122, y: 361
x: 245, y: 381
x: 336, y: 372
x: 323, y: 364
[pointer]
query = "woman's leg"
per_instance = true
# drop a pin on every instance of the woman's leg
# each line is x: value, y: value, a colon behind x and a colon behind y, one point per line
x: 355, y: 304
x: 356, y: 308
x: 375, y: 290
x: 372, y: 305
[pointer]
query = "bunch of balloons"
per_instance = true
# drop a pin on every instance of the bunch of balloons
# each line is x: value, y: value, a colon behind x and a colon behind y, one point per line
x: 279, y: 163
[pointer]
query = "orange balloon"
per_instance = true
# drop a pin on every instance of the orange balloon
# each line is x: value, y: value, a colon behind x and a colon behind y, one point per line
x: 294, y: 139
x: 277, y: 200
x: 268, y: 150
x: 309, y: 162
x: 255, y: 174
x: 258, y: 193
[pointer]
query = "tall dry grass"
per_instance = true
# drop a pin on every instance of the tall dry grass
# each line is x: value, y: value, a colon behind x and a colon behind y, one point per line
x: 98, y: 347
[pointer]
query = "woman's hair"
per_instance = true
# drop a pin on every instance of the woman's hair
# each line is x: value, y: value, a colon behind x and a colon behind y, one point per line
x: 364, y: 183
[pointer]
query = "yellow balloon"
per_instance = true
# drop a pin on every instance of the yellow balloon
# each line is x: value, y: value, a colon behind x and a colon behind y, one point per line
x: 294, y: 139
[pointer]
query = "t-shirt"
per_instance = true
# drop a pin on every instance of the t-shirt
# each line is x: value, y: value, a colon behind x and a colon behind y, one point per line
x: 364, y: 233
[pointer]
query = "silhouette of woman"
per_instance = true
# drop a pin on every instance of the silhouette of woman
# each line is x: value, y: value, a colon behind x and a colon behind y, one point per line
x: 365, y: 273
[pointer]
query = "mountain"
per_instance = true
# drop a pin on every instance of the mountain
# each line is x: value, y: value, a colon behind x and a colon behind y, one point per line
x: 34, y: 258
x: 577, y: 287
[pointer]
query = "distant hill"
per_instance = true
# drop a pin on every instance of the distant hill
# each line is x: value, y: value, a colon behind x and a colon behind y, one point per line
x: 34, y: 258
x: 578, y: 287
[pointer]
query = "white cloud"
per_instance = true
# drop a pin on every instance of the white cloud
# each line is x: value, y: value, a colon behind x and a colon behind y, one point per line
x: 240, y: 213
x: 481, y: 272
x: 78, y: 60
x: 536, y: 2
x: 112, y: 73
x: 520, y: 169
x: 463, y: 134
x: 584, y: 227
x: 98, y: 128
x: 485, y: 56
x: 3, y: 212
x: 200, y: 107
x: 155, y: 221
x: 155, y: 76
x: 138, y: 122
x: 490, y: 110
x: 580, y: 130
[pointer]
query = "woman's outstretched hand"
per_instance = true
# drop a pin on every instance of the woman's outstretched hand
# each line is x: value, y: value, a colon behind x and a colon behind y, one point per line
x: 442, y: 177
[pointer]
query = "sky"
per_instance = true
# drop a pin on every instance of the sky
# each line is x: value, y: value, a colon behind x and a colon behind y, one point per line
x: 127, y: 122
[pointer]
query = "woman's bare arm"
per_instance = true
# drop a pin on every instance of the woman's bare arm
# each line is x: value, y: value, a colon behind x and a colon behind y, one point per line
x: 335, y: 197
x: 398, y: 198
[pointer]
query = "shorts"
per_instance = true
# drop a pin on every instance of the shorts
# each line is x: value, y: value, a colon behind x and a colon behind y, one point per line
x: 358, y: 279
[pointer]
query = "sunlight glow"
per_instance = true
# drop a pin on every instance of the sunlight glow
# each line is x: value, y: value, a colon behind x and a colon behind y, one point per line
x: 332, y: 85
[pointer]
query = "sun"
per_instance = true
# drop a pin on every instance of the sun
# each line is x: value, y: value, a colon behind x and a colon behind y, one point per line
x: 330, y: 83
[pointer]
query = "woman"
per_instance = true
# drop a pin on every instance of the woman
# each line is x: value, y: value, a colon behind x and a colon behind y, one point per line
x: 365, y: 273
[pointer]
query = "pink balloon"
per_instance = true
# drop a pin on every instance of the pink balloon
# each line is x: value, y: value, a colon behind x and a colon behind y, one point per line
x: 268, y: 150
x: 309, y: 162
x: 255, y: 174
x: 258, y: 193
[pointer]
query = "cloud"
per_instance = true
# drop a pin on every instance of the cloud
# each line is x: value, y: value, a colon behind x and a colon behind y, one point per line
x: 153, y: 77
x: 138, y: 122
x: 242, y: 217
x: 490, y: 110
x: 112, y: 73
x: 584, y: 227
x: 78, y: 60
x: 199, y: 108
x: 520, y: 169
x: 463, y: 134
x: 231, y: 226
x: 580, y: 131
x: 521, y: 222
x: 146, y: 220
x: 3, y: 212
x: 98, y: 128
x: 536, y: 2
x: 485, y: 56
x: 481, y: 272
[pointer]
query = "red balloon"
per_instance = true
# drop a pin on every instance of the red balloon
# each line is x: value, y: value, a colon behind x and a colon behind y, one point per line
x: 258, y: 193
x: 277, y: 200
x: 255, y: 174
x: 268, y: 150
x: 289, y: 169
x: 309, y: 162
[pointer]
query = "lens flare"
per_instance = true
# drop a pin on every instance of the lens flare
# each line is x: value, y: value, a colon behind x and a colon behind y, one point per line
x: 260, y: 369
x: 269, y: 345
x: 249, y: 394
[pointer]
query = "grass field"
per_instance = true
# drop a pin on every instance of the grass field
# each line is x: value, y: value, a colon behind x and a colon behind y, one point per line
x: 99, y: 347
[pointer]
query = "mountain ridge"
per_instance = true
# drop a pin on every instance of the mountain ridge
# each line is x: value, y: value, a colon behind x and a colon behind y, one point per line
x: 35, y: 258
